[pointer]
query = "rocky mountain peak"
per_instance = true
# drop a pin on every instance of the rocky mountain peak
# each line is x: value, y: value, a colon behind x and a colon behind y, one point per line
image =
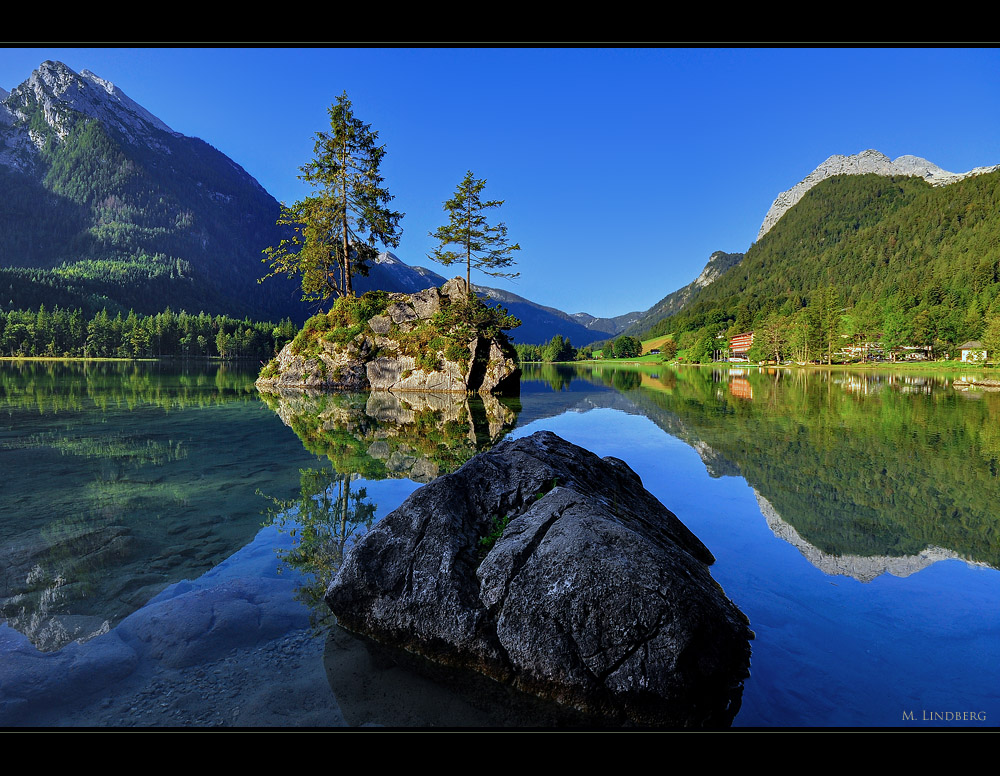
x: 717, y: 263
x: 866, y: 162
x: 63, y: 94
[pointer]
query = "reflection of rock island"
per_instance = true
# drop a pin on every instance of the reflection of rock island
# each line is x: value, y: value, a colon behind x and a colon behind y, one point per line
x: 380, y: 435
x: 863, y: 569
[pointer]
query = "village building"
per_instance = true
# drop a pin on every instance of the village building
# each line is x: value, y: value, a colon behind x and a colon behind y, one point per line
x: 739, y: 346
x: 973, y: 350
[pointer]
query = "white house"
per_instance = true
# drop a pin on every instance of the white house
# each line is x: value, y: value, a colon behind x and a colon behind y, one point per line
x: 973, y: 350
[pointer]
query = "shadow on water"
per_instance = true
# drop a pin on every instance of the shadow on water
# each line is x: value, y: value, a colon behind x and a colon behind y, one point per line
x: 375, y: 684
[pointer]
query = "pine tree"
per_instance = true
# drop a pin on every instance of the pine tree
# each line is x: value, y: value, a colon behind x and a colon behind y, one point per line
x: 336, y: 229
x: 483, y: 246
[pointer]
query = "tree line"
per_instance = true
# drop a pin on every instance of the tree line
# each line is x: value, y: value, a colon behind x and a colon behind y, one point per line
x: 69, y: 333
x: 823, y: 329
x: 560, y: 348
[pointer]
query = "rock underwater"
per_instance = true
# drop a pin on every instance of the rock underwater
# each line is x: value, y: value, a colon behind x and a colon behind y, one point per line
x: 594, y: 595
x: 436, y: 340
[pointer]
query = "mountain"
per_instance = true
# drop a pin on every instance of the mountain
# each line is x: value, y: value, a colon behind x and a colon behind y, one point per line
x: 607, y: 326
x: 388, y: 273
x: 105, y: 205
x: 718, y: 263
x: 538, y: 322
x: 867, y: 162
x: 916, y: 262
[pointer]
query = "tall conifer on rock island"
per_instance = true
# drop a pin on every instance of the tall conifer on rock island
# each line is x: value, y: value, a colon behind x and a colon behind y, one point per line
x: 482, y: 246
x: 335, y: 229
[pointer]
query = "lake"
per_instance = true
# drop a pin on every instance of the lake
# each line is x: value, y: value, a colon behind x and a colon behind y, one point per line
x: 167, y: 533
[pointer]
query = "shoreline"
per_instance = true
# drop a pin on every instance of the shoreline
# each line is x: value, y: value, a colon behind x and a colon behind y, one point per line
x: 931, y: 366
x: 151, y: 359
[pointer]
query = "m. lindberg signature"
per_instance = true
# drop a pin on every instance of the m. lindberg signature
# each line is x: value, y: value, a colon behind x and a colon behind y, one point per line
x: 945, y: 716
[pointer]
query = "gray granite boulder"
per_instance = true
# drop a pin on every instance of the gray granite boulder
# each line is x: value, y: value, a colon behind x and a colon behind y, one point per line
x: 594, y: 596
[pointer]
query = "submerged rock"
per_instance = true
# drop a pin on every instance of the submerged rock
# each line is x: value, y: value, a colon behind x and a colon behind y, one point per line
x: 593, y: 595
x: 438, y: 340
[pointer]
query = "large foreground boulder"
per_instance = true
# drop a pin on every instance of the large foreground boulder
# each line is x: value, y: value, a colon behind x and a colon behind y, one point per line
x: 593, y: 595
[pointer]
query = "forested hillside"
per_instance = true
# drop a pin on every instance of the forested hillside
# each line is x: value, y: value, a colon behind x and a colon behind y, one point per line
x: 102, y: 214
x: 862, y: 254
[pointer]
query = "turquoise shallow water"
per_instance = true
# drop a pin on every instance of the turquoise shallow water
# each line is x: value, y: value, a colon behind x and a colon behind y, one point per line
x: 144, y: 581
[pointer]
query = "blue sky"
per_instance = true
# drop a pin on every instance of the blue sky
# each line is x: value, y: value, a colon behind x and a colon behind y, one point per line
x: 623, y: 169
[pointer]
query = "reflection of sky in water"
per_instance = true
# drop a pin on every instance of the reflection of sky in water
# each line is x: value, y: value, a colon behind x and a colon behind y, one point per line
x: 830, y: 650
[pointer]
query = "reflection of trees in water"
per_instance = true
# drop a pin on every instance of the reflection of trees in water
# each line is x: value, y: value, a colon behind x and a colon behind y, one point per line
x: 375, y: 435
x: 864, y: 464
x: 61, y: 386
x: 110, y: 495
x: 325, y: 520
x: 625, y: 379
x: 559, y: 377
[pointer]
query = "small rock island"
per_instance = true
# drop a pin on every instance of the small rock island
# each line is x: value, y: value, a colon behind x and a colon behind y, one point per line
x: 437, y: 340
x: 555, y: 572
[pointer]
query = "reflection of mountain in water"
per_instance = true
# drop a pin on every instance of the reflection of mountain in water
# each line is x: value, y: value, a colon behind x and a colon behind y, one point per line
x: 380, y: 435
x: 863, y: 465
x: 863, y: 569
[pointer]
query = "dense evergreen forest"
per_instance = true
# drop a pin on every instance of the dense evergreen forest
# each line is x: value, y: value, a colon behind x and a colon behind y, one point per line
x: 100, y: 221
x: 62, y: 332
x: 861, y: 256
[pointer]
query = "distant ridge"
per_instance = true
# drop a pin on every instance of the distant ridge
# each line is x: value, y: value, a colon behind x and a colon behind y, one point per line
x: 538, y: 322
x: 718, y: 264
